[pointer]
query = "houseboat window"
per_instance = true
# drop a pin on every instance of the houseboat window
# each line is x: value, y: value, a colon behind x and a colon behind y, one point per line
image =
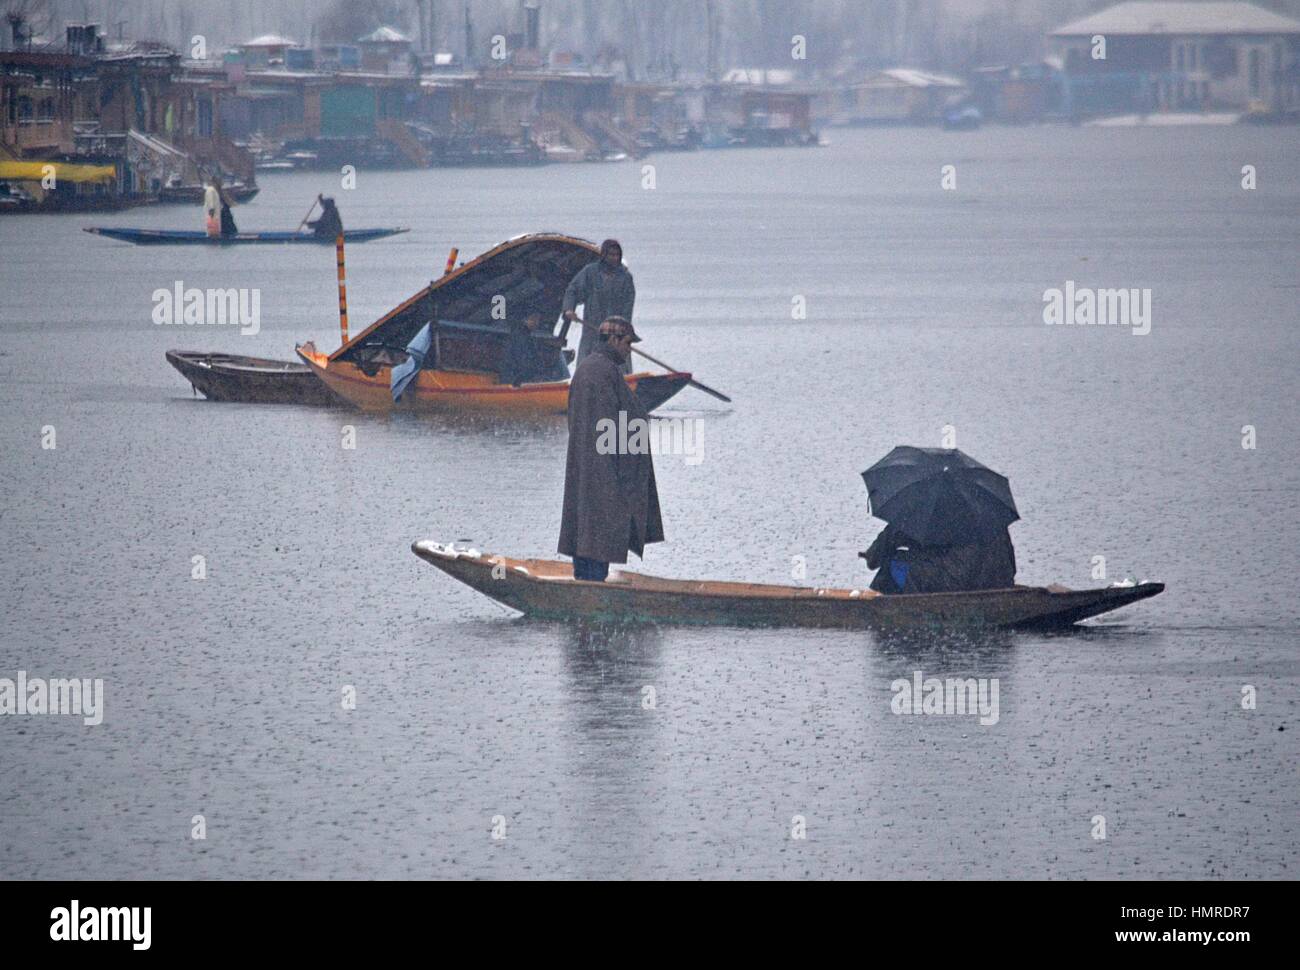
x: 1220, y: 58
x: 1254, y: 71
x: 24, y: 108
x: 46, y: 110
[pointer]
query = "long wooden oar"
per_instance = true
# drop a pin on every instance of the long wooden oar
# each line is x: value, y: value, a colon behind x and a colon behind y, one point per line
x: 308, y: 215
x: 669, y: 367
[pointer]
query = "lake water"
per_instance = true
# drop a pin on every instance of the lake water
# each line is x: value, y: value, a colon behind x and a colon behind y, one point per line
x: 923, y: 310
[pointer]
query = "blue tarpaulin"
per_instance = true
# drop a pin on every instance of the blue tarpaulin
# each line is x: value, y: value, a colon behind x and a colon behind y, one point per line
x: 405, y: 372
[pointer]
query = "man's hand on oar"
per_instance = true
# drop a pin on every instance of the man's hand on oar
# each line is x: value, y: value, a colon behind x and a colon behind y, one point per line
x: 655, y: 360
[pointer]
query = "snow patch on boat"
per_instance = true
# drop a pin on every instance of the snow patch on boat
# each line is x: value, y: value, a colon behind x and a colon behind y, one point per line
x: 447, y: 551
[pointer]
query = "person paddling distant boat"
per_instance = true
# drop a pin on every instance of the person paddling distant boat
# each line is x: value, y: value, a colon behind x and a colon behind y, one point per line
x: 606, y: 289
x: 330, y: 223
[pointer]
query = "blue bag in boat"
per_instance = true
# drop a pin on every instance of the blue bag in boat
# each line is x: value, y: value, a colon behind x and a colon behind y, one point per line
x: 898, y: 570
x: 404, y: 373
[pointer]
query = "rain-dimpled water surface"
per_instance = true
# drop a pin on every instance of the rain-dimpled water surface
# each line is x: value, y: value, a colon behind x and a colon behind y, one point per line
x: 924, y: 310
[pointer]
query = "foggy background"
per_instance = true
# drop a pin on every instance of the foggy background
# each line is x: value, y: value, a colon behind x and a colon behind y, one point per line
x: 653, y: 36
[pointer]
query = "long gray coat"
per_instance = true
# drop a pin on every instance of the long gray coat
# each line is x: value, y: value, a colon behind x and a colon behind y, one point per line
x: 611, y: 504
x: 605, y: 293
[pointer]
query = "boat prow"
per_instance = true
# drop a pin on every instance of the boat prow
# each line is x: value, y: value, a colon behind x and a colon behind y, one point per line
x: 546, y: 589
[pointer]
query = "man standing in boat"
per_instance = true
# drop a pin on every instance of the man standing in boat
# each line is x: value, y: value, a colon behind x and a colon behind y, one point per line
x: 605, y: 288
x: 611, y: 504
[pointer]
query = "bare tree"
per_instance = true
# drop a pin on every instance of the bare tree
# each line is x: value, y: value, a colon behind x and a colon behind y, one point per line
x: 26, y: 20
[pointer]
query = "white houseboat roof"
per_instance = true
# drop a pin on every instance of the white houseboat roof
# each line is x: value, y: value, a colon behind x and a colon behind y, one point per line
x: 1145, y: 17
x: 384, y: 35
x: 270, y: 40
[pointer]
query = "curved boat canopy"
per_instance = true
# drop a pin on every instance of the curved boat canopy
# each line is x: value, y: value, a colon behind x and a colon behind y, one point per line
x: 520, y: 277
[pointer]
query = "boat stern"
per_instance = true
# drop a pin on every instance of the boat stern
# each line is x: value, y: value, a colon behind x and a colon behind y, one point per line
x: 653, y: 390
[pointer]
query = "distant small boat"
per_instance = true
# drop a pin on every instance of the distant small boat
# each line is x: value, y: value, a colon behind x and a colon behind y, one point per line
x: 251, y: 380
x: 196, y: 237
x: 546, y: 589
x: 193, y: 194
x: 1159, y: 119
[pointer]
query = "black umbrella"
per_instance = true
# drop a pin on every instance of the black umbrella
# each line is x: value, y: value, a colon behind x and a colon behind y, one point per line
x: 939, y: 496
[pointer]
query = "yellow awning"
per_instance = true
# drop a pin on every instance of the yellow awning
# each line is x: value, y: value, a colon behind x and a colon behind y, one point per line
x: 63, y: 172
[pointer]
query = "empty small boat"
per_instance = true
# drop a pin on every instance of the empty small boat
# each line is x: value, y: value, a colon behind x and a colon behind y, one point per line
x: 251, y: 380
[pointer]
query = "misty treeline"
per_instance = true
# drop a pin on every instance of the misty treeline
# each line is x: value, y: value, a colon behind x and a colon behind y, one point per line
x: 654, y: 38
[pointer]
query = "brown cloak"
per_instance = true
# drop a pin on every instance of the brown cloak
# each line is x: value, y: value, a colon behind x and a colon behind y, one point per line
x: 611, y: 504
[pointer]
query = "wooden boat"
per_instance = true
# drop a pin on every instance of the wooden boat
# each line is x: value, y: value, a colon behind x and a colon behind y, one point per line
x: 546, y: 589
x: 523, y: 277
x: 251, y: 380
x: 192, y: 194
x: 196, y: 237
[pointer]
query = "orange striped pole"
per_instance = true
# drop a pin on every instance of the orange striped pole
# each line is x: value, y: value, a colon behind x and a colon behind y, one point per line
x: 451, y: 261
x: 343, y: 290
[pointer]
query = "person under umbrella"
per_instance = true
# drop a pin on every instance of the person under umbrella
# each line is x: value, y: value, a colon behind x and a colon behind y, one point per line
x: 947, y: 518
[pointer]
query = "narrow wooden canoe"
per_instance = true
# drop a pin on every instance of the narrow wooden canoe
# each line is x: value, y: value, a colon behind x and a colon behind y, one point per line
x: 440, y: 391
x: 186, y: 237
x: 251, y: 380
x: 546, y: 589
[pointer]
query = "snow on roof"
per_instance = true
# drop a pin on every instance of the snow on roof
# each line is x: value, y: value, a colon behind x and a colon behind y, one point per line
x: 1173, y: 17
x: 916, y: 79
x: 759, y: 75
x: 270, y: 40
x: 385, y: 35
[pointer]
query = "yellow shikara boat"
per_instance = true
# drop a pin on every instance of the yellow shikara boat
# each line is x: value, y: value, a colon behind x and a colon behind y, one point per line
x: 466, y: 392
x: 472, y: 310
